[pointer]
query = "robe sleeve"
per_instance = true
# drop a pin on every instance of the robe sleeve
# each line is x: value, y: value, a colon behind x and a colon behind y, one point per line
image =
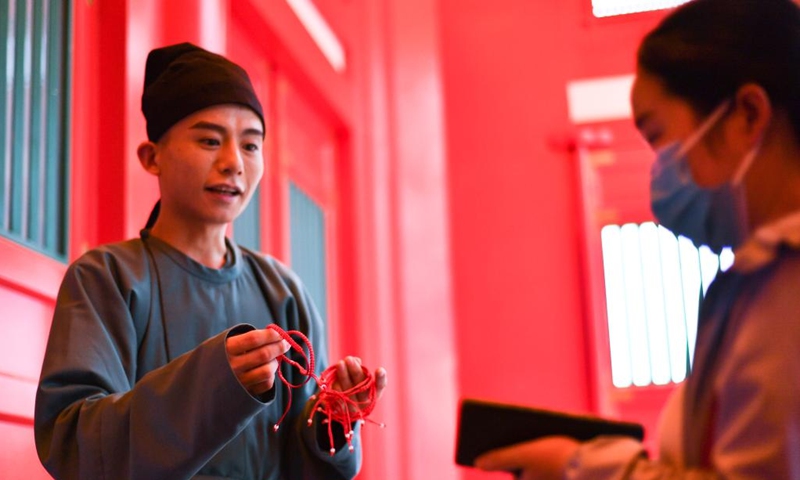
x: 619, y: 458
x: 93, y: 420
x: 755, y: 427
x: 307, y: 454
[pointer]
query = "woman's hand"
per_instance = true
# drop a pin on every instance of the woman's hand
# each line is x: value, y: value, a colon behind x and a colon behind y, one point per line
x: 253, y: 358
x: 543, y: 459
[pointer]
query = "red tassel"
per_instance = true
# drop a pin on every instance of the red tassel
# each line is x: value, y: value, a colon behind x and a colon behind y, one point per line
x: 335, y: 405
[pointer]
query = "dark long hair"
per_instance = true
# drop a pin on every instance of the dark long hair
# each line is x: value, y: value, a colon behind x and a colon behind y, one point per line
x: 706, y: 49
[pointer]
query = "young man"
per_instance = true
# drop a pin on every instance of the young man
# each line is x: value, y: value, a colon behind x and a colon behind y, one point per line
x: 158, y: 365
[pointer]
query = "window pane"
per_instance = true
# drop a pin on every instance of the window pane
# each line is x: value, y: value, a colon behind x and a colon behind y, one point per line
x: 618, y: 338
x: 307, y: 227
x: 635, y: 304
x: 247, y: 226
x: 607, y: 8
x: 654, y: 283
x: 34, y: 112
x: 674, y: 309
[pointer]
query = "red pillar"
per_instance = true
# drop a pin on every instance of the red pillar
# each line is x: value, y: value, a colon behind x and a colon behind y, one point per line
x: 98, y: 119
x: 408, y: 242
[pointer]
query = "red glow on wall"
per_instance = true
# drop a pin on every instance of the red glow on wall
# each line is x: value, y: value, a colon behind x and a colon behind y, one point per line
x: 458, y: 235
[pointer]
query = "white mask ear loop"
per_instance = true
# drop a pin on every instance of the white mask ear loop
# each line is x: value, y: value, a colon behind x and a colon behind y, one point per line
x: 712, y: 119
x: 745, y: 165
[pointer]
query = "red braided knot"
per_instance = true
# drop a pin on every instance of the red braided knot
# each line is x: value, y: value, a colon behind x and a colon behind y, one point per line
x: 335, y: 405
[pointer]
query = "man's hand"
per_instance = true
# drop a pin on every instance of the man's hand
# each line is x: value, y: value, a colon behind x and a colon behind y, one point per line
x: 349, y: 373
x: 253, y: 358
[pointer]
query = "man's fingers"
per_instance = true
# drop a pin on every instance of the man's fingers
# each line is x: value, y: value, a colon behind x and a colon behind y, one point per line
x: 343, y: 380
x: 357, y: 376
x: 259, y: 380
x: 354, y: 370
x: 258, y: 357
x: 243, y: 343
x: 380, y: 381
x: 261, y: 387
x: 254, y: 349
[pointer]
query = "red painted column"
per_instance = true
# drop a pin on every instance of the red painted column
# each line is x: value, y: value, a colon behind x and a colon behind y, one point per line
x: 426, y: 381
x: 374, y: 314
x: 84, y: 125
x: 97, y: 124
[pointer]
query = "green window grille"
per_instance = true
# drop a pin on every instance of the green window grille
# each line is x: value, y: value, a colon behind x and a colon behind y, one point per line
x: 34, y: 102
x: 307, y: 241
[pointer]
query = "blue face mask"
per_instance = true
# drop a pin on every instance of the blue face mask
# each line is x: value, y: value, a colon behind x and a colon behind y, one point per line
x: 715, y: 217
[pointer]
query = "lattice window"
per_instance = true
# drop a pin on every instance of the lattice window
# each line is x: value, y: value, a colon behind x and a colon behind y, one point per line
x: 654, y: 282
x: 307, y: 227
x: 247, y: 226
x: 34, y: 113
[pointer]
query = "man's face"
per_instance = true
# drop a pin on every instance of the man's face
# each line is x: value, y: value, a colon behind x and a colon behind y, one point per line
x: 209, y: 164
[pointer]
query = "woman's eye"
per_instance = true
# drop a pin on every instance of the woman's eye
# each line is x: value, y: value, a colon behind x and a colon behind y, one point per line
x: 652, y: 138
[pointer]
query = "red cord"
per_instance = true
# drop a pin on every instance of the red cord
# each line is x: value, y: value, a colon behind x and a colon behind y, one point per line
x: 337, y: 406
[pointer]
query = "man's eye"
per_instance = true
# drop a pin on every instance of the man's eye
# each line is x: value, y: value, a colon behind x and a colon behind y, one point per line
x: 252, y: 147
x: 211, y: 142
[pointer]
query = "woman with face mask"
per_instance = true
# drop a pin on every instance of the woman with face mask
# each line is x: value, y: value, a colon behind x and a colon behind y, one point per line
x: 717, y: 96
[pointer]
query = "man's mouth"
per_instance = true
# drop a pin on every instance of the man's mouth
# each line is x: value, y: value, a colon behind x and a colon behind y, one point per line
x: 224, y: 190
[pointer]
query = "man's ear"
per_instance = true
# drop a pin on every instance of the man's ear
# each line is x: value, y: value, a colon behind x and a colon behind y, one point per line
x: 148, y: 158
x: 756, y: 112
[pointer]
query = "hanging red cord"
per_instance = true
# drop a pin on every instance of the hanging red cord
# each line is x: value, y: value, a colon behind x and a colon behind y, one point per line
x: 337, y: 406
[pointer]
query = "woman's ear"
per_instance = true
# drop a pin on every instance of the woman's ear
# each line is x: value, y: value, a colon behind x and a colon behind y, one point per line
x: 148, y: 158
x: 755, y: 113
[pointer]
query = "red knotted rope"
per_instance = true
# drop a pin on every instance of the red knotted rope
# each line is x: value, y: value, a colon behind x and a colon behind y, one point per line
x: 337, y: 406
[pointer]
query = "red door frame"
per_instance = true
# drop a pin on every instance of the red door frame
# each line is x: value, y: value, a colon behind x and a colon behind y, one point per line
x: 626, y: 201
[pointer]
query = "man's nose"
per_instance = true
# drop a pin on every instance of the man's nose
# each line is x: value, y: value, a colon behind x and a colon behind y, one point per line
x: 230, y: 159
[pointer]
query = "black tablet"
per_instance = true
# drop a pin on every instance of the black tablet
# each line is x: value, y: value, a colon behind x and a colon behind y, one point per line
x: 484, y: 426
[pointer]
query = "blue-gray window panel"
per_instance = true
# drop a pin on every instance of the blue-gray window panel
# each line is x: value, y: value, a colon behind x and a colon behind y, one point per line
x: 307, y: 241
x: 247, y: 226
x: 34, y: 105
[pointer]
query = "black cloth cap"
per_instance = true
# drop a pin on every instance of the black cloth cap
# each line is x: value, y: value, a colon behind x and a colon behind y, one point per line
x: 184, y: 78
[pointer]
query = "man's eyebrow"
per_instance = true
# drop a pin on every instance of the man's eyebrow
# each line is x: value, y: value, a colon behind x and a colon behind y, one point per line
x: 203, y: 125
x: 253, y: 131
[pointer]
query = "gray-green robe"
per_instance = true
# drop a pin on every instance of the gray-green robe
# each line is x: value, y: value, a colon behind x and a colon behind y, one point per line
x: 136, y: 383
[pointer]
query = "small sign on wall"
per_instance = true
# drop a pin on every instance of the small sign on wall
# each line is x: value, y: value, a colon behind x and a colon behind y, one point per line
x: 600, y: 99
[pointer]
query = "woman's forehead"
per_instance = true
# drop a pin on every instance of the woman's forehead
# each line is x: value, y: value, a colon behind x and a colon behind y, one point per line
x: 651, y: 97
x: 646, y: 90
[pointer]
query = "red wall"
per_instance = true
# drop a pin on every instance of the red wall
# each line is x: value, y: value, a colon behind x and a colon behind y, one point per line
x: 513, y: 209
x: 516, y: 245
x: 27, y: 283
x: 458, y: 246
